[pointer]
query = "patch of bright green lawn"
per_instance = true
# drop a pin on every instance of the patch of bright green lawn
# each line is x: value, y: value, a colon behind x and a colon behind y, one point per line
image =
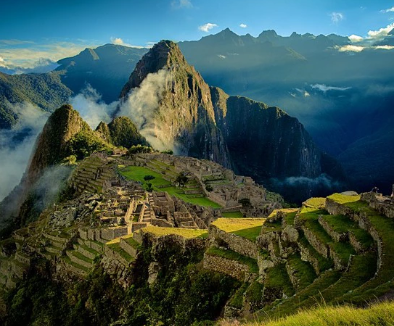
x: 137, y: 173
x: 248, y: 228
x: 232, y: 214
x: 343, y: 199
x: 186, y: 233
x: 232, y: 255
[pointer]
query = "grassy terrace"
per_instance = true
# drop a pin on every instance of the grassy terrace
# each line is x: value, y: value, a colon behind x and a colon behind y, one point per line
x: 309, y: 216
x: 186, y: 233
x: 305, y: 272
x: 116, y: 247
x: 277, y: 278
x: 137, y: 173
x: 232, y: 255
x: 232, y: 214
x: 342, y: 224
x: 271, y: 226
x: 385, y: 227
x: 237, y: 299
x: 299, y: 300
x: 316, y: 202
x: 324, y: 263
x: 248, y: 228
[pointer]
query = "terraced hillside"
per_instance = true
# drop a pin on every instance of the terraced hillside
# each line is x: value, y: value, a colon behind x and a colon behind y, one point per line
x: 334, y: 250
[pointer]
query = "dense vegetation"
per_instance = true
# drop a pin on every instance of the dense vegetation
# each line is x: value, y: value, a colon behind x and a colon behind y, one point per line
x: 183, y: 294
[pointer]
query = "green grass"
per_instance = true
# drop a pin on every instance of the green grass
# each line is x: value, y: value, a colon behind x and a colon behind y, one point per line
x: 137, y: 173
x: 379, y: 314
x: 232, y: 255
x: 232, y: 214
x: 309, y: 216
x: 278, y: 278
x: 323, y: 263
x: 116, y: 247
x: 316, y: 202
x: 80, y: 256
x: 70, y: 262
x: 343, y: 199
x: 290, y: 305
x: 305, y: 272
x: 271, y: 226
x: 289, y: 218
x: 342, y: 224
x: 237, y: 299
x: 248, y: 228
x: 132, y: 242
x: 186, y: 233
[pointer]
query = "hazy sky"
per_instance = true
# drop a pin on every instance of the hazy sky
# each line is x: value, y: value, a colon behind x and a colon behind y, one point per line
x: 33, y: 31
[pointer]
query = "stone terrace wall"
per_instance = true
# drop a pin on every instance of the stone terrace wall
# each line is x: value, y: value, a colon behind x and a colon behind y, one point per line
x: 228, y: 267
x: 236, y: 243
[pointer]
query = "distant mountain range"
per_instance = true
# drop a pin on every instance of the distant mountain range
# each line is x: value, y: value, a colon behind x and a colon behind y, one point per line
x: 344, y: 98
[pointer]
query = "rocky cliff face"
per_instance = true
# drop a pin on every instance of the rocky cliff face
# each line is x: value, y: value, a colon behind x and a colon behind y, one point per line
x: 193, y: 119
x: 52, y: 144
x: 181, y: 117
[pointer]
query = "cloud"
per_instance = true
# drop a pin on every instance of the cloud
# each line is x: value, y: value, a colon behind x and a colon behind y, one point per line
x: 16, y: 145
x: 325, y: 88
x: 355, y: 38
x: 141, y: 107
x: 28, y: 55
x: 336, y: 17
x: 179, y: 4
x: 303, y: 92
x: 221, y: 56
x: 119, y: 41
x: 388, y: 10
x: 350, y: 48
x: 91, y: 108
x: 384, y: 47
x: 243, y: 25
x: 207, y: 27
x: 381, y: 33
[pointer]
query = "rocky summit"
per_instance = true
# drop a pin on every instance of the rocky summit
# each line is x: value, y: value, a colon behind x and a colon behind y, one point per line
x: 195, y: 120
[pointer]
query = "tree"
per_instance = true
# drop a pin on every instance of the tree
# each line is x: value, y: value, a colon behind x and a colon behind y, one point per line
x: 181, y: 179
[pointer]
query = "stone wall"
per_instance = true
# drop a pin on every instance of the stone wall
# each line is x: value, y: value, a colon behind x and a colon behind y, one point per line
x: 338, y: 237
x: 236, y: 243
x: 128, y: 248
x: 229, y: 267
x: 322, y: 248
x: 307, y: 256
x: 384, y: 205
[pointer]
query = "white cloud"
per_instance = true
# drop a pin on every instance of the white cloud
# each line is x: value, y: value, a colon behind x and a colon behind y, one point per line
x: 350, y: 48
x: 384, y: 47
x: 32, y: 56
x: 119, y: 41
x: 325, y: 88
x: 207, y: 27
x: 16, y: 144
x: 388, y: 10
x: 381, y: 33
x: 178, y: 4
x: 355, y: 38
x: 221, y: 56
x: 141, y: 106
x: 91, y: 108
x: 336, y: 17
x: 243, y: 25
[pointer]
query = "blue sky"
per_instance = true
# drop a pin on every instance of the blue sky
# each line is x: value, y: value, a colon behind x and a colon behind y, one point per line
x: 33, y: 31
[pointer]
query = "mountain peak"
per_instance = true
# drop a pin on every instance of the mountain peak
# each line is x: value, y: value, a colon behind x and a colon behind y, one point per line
x: 165, y: 54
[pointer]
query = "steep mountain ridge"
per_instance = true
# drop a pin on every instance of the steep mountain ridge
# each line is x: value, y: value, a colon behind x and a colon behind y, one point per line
x: 183, y: 119
x: 257, y: 140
